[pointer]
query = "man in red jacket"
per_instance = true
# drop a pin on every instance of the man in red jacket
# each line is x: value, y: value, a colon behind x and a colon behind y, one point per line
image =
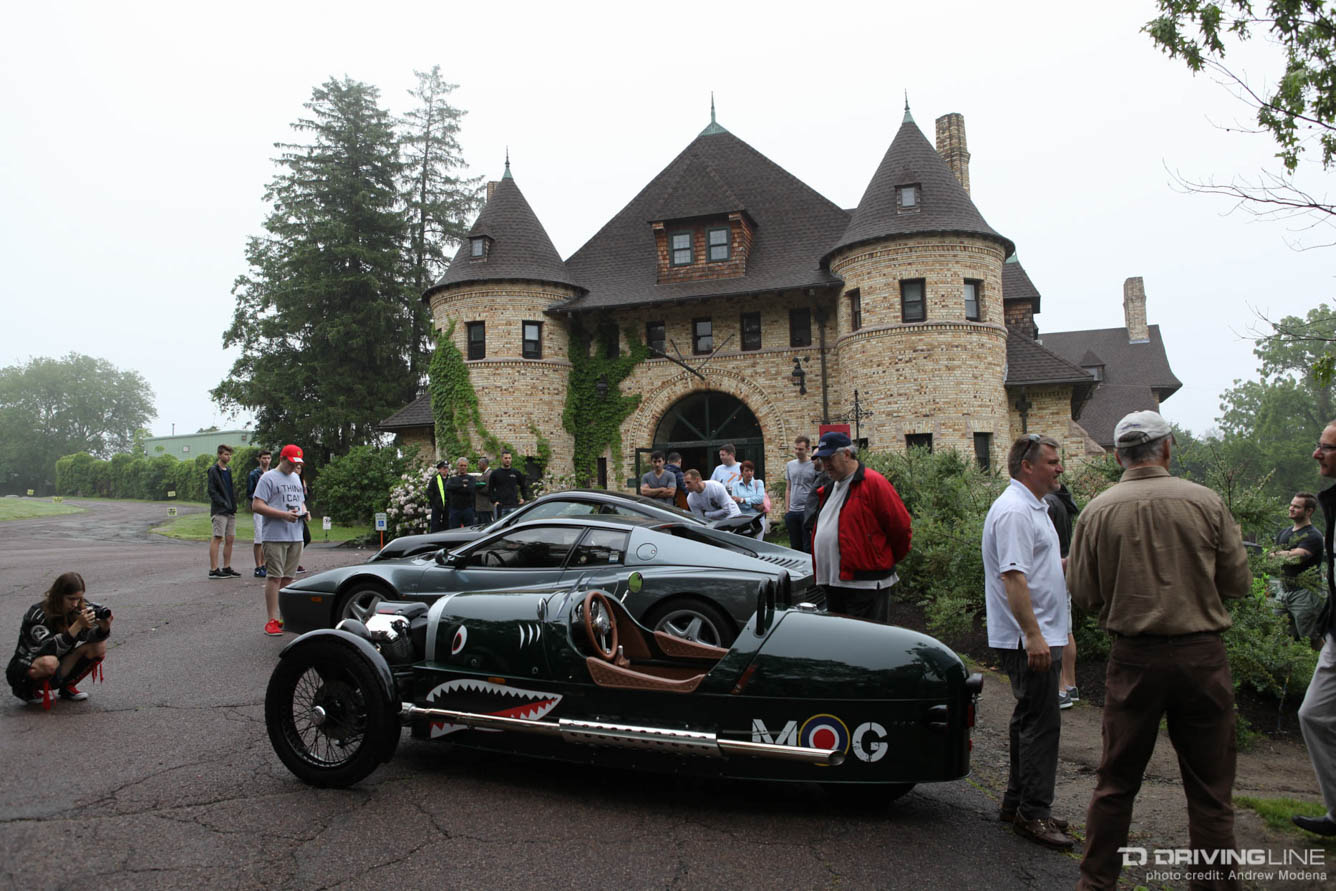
x: 861, y: 531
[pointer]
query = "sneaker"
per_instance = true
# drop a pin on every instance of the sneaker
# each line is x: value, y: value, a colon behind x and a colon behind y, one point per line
x: 259, y: 572
x: 300, y: 570
x: 1074, y: 693
x: 230, y: 572
x: 72, y: 693
x: 1064, y: 699
x: 217, y: 574
x: 273, y: 628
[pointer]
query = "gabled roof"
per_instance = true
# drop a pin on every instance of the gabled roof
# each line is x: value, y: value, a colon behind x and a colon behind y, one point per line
x: 1137, y: 376
x: 518, y: 248
x: 793, y: 226
x: 1028, y: 363
x: 944, y: 205
x: 415, y: 414
x: 1016, y: 284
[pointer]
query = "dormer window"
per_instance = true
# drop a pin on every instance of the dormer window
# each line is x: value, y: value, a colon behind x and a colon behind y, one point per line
x: 477, y: 247
x: 681, y: 249
x: 717, y: 241
x: 907, y: 197
x: 1095, y: 371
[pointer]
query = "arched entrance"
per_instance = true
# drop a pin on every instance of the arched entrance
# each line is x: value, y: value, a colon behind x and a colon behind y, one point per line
x: 699, y: 423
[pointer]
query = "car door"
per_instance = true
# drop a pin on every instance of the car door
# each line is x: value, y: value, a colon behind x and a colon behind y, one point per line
x: 515, y: 560
x: 598, y: 561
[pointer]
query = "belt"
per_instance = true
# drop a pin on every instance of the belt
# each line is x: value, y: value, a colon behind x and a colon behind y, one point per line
x: 1118, y: 635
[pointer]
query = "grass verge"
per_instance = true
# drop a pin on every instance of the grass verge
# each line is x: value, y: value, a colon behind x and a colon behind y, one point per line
x: 198, y: 527
x: 27, y: 508
x: 1276, y: 813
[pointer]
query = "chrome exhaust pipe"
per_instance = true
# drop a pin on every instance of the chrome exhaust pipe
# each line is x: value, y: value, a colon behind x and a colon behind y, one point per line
x: 627, y: 736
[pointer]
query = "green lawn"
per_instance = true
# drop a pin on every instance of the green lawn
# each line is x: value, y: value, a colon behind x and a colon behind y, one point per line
x: 25, y: 508
x: 1276, y: 813
x: 198, y: 527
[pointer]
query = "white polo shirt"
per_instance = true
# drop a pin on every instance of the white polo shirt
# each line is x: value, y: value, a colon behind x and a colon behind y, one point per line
x: 1019, y: 536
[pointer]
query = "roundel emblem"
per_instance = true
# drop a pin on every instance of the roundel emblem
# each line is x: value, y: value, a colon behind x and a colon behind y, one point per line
x: 647, y: 552
x: 461, y: 636
x: 825, y: 732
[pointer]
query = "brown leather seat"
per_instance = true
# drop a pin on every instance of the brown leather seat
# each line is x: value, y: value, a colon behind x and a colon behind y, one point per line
x: 605, y: 674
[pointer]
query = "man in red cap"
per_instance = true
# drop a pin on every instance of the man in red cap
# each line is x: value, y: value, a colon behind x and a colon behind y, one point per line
x: 280, y: 500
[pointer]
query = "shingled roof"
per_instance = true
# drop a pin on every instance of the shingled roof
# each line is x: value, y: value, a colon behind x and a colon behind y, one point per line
x: 943, y: 204
x: 1029, y: 364
x: 518, y: 248
x: 717, y: 173
x: 1137, y: 376
x: 415, y: 414
x: 1016, y: 284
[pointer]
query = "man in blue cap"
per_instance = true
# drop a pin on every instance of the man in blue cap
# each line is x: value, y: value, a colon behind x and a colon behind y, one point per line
x: 860, y: 532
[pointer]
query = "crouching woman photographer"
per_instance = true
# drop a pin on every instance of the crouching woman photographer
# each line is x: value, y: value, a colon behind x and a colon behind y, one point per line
x: 62, y: 640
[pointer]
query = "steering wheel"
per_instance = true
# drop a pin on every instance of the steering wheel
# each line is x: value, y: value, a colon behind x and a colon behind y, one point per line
x: 492, y: 558
x: 600, y: 625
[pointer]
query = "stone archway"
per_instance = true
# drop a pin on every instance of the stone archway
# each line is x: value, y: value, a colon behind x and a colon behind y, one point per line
x: 703, y: 420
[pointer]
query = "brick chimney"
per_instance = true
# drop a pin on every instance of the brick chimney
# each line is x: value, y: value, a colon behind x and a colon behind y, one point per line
x: 951, y: 146
x: 1134, y: 310
x: 491, y: 189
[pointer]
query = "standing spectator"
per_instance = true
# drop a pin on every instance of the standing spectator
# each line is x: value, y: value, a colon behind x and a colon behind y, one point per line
x: 482, y: 504
x: 223, y: 513
x: 1025, y: 597
x: 674, y: 466
x: 459, y: 496
x: 860, y: 532
x: 1155, y: 557
x: 799, y: 486
x: 507, y: 487
x: 1062, y: 510
x: 436, y: 497
x: 1300, y: 547
x: 63, y: 638
x: 749, y: 493
x: 822, y: 478
x: 707, y: 499
x: 306, y: 518
x: 1317, y: 714
x: 659, y: 483
x: 727, y: 472
x: 279, y: 497
x: 257, y: 520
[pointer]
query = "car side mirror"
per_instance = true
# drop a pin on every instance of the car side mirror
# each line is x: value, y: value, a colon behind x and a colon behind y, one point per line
x: 444, y: 557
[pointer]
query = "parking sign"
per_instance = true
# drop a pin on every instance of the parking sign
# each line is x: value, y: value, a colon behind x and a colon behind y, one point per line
x: 382, y: 522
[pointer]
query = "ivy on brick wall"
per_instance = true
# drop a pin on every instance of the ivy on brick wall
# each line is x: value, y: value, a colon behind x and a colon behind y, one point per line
x: 594, y: 422
x: 454, y: 405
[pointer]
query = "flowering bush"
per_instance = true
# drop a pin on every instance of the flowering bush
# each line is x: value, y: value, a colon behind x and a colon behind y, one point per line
x: 408, y: 512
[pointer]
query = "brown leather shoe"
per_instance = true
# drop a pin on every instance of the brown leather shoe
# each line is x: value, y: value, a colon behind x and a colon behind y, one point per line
x: 1010, y: 817
x: 1043, y: 832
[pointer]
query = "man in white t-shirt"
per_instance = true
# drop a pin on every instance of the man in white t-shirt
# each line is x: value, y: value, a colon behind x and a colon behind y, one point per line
x: 280, y: 499
x: 729, y: 470
x: 708, y: 499
x: 1026, y: 599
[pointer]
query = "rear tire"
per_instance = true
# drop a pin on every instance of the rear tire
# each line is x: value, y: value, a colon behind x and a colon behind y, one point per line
x: 327, y: 715
x: 692, y: 619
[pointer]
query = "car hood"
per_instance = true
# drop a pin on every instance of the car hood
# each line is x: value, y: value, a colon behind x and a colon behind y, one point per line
x: 329, y: 581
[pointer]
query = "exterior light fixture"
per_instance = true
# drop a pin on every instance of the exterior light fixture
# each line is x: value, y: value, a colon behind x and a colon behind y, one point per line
x: 799, y: 377
x: 601, y: 388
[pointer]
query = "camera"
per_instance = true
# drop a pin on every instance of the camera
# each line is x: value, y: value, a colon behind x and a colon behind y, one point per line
x: 101, y: 613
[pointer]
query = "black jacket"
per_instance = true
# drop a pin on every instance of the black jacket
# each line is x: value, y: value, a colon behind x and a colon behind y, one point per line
x: 222, y: 498
x: 506, y: 486
x: 436, y: 491
x: 1062, y: 511
x: 1326, y: 620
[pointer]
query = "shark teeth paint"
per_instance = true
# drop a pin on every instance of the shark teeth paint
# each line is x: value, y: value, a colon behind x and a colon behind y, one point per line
x: 489, y: 698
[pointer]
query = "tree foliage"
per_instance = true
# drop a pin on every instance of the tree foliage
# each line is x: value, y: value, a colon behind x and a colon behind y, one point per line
x: 1298, y: 109
x: 323, y: 318
x: 55, y: 407
x: 438, y: 201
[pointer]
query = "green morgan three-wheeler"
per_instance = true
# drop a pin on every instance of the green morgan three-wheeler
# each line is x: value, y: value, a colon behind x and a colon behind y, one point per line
x: 569, y: 674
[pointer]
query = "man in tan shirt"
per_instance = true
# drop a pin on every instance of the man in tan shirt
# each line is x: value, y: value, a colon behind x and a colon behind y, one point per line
x: 1155, y: 557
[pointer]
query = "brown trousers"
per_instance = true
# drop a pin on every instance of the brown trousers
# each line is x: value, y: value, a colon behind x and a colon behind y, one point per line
x: 1187, y: 679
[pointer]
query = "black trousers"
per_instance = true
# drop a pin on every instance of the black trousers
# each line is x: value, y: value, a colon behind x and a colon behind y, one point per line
x: 861, y: 603
x: 1036, y: 726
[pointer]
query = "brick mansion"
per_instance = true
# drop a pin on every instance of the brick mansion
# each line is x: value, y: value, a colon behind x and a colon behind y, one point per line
x: 765, y: 307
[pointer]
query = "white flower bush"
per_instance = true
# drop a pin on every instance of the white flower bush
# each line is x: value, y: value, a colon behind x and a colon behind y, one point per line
x: 408, y: 512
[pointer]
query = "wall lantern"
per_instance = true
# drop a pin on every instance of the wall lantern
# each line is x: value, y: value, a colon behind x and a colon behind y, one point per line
x: 799, y: 377
x: 601, y: 388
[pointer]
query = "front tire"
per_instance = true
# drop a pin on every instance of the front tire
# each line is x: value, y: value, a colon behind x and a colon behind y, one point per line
x: 360, y: 602
x: 327, y: 715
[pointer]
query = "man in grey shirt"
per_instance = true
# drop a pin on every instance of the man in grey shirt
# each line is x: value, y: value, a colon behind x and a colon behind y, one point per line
x: 659, y: 483
x: 707, y: 499
x: 800, y: 480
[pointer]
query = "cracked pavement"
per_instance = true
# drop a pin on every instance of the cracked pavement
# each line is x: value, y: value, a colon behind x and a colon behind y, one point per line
x: 165, y: 777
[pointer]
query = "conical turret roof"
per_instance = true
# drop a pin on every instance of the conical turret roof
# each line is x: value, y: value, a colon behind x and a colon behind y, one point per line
x: 943, y: 204
x: 518, y: 246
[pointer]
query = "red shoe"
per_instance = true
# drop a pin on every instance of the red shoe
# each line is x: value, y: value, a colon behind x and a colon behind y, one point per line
x: 273, y: 628
x: 71, y: 693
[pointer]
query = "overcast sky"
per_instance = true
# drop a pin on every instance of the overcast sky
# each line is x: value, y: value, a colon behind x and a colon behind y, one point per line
x: 138, y: 140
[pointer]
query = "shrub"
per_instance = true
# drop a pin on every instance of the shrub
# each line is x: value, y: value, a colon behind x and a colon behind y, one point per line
x: 355, y: 486
x: 1262, y: 655
x: 408, y: 512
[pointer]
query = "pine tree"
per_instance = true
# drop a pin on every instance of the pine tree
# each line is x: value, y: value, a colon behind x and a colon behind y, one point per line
x: 325, y: 317
x: 438, y: 200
